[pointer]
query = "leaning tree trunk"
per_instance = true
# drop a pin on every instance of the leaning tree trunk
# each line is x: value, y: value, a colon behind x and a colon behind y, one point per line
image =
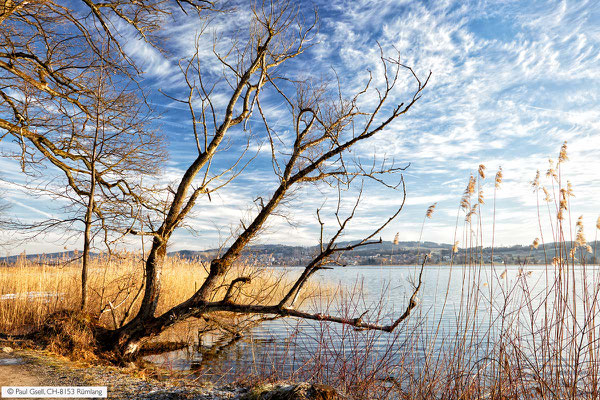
x: 153, y: 269
x: 125, y: 342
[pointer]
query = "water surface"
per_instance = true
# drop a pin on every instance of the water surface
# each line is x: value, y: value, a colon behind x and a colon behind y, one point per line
x: 458, y: 306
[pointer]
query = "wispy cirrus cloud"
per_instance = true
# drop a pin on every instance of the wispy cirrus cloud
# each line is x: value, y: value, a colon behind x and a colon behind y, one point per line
x: 510, y: 82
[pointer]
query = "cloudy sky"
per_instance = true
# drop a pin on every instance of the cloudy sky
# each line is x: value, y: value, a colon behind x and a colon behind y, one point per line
x: 511, y: 81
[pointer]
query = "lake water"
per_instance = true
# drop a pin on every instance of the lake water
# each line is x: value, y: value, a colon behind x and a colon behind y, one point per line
x: 462, y: 308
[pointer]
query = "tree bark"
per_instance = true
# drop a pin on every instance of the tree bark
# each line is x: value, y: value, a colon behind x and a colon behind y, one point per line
x: 153, y: 269
x: 86, y: 250
x: 89, y: 213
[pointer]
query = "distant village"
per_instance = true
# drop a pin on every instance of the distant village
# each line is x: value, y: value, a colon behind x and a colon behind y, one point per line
x: 384, y: 253
x: 409, y: 253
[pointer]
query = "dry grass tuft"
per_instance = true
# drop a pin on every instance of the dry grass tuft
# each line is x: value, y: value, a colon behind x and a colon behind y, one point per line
x: 68, y: 333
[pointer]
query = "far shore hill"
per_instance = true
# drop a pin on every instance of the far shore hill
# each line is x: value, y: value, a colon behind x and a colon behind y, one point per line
x: 384, y: 253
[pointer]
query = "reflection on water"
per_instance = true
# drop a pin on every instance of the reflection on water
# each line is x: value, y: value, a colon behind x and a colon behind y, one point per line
x: 458, y: 306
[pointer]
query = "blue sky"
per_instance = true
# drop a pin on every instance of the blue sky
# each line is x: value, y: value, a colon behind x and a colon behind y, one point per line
x: 511, y: 81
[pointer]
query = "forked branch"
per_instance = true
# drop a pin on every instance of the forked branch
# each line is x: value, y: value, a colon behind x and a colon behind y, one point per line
x: 356, y: 322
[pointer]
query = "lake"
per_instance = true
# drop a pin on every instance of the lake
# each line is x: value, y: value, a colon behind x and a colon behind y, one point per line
x: 462, y: 314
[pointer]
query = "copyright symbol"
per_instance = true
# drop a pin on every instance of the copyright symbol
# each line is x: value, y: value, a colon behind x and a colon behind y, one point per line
x: 10, y: 391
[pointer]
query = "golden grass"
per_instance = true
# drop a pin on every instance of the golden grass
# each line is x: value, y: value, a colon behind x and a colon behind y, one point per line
x: 30, y: 290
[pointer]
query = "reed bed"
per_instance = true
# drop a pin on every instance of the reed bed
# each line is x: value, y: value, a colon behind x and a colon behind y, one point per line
x: 30, y: 290
x: 521, y: 332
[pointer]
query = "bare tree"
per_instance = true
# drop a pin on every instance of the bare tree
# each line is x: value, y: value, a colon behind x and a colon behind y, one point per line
x: 69, y: 100
x: 326, y: 124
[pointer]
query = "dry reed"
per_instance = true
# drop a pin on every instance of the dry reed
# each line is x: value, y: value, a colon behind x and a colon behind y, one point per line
x: 518, y: 332
x: 30, y: 290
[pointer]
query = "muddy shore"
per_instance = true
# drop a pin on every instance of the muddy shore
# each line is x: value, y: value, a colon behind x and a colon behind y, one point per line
x: 27, y: 367
x: 40, y: 368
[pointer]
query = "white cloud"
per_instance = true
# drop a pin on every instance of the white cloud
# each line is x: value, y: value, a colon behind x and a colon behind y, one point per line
x: 511, y: 81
